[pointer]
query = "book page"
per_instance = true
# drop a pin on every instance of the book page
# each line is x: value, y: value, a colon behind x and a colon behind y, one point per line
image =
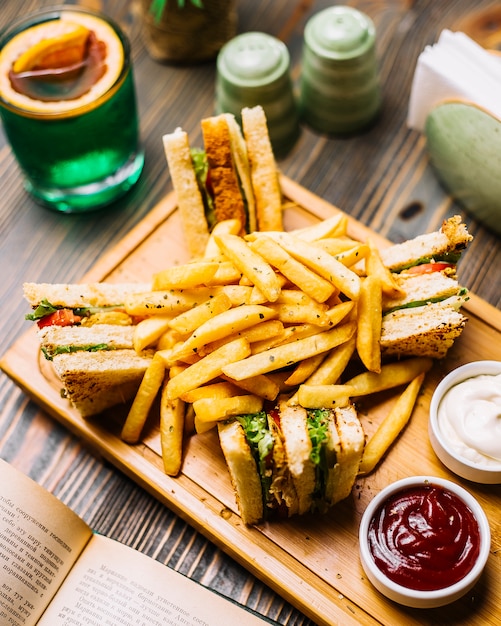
x: 114, y: 584
x: 40, y: 539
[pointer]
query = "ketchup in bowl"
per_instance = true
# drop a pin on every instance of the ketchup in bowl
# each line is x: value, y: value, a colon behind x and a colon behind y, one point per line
x: 424, y: 541
x: 424, y: 538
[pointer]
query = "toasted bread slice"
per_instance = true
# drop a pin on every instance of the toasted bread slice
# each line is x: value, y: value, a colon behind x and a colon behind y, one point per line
x: 189, y: 198
x: 243, y: 471
x: 349, y: 449
x: 429, y: 330
x: 453, y: 236
x: 228, y: 200
x: 67, y: 339
x: 264, y: 173
x: 422, y: 288
x: 82, y: 295
x: 298, y: 448
x: 95, y: 381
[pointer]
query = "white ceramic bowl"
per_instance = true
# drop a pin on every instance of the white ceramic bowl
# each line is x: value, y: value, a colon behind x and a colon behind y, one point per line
x: 412, y: 597
x: 466, y: 468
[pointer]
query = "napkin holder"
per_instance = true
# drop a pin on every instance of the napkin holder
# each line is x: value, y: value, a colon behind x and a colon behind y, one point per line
x: 464, y: 146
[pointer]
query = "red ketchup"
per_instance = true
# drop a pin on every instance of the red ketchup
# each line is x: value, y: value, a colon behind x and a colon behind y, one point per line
x: 424, y: 538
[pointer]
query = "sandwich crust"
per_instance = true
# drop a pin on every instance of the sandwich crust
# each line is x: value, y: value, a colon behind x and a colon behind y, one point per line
x: 85, y: 295
x: 453, y: 236
x: 350, y: 447
x: 189, y: 198
x: 95, y: 381
x: 66, y: 338
x: 264, y: 174
x: 298, y: 448
x: 422, y: 288
x: 428, y: 330
x: 243, y: 471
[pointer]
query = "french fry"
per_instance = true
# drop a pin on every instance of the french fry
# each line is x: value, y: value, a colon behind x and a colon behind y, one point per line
x: 334, y: 226
x: 172, y: 416
x: 389, y: 429
x: 148, y: 331
x: 238, y: 294
x: 288, y: 354
x: 217, y: 410
x: 169, y: 302
x: 226, y: 227
x: 185, y: 323
x: 297, y: 273
x: 202, y: 427
x: 324, y: 396
x: 337, y: 245
x: 296, y: 296
x: 289, y: 334
x: 252, y: 265
x: 224, y: 389
x: 338, y: 312
x: 369, y: 323
x: 184, y: 276
x: 391, y: 375
x: 168, y: 340
x: 226, y: 274
x: 331, y: 368
x: 334, y: 364
x: 207, y: 369
x: 145, y: 396
x: 304, y: 370
x: 263, y: 331
x: 374, y: 267
x: 353, y: 255
x: 118, y: 318
x: 323, y: 264
x: 223, y: 325
x: 301, y: 313
x: 261, y: 385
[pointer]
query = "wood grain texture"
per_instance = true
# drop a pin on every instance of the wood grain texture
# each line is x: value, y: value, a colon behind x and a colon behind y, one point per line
x: 381, y: 178
x: 307, y: 560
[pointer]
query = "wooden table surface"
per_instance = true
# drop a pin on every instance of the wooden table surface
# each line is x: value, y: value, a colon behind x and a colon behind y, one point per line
x: 381, y: 177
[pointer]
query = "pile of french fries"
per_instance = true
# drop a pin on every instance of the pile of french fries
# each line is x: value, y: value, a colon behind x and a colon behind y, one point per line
x: 262, y: 315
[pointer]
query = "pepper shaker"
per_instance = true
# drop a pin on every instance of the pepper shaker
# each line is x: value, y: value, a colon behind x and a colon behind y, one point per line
x: 339, y: 87
x: 254, y: 69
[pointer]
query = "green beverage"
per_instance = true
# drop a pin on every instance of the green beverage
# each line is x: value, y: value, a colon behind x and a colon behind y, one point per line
x: 68, y: 107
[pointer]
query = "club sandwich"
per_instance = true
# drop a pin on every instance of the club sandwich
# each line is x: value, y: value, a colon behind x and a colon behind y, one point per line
x: 234, y: 176
x: 426, y: 318
x: 87, y: 335
x: 290, y: 460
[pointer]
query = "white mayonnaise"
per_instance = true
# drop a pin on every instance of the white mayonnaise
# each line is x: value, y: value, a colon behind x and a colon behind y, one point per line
x: 469, y: 416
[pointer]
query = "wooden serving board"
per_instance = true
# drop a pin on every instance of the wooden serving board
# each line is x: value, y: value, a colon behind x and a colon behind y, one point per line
x: 312, y: 561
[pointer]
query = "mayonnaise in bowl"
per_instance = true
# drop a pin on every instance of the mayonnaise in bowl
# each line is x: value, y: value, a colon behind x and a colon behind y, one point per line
x: 465, y: 421
x: 469, y: 415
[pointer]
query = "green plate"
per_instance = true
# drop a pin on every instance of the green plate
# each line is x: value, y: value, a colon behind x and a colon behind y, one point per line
x: 464, y: 144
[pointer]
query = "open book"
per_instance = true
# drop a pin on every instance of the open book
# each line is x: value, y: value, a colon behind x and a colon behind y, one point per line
x: 54, y: 571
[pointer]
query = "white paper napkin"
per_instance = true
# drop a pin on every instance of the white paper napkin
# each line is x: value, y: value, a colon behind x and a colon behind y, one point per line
x: 456, y: 67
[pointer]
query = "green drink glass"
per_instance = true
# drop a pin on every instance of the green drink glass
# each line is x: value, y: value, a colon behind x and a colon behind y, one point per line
x: 68, y: 107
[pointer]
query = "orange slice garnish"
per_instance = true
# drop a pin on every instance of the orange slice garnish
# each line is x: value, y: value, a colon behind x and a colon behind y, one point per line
x: 55, y: 52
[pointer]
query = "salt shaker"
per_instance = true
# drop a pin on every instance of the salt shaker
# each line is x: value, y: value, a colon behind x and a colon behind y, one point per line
x: 254, y: 69
x: 340, y: 91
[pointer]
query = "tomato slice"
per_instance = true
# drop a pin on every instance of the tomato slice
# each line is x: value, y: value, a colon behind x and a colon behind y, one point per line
x: 428, y: 268
x: 61, y: 317
x: 275, y: 415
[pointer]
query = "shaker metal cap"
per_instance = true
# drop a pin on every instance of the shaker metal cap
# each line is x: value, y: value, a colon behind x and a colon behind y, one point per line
x: 253, y: 59
x: 340, y: 33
